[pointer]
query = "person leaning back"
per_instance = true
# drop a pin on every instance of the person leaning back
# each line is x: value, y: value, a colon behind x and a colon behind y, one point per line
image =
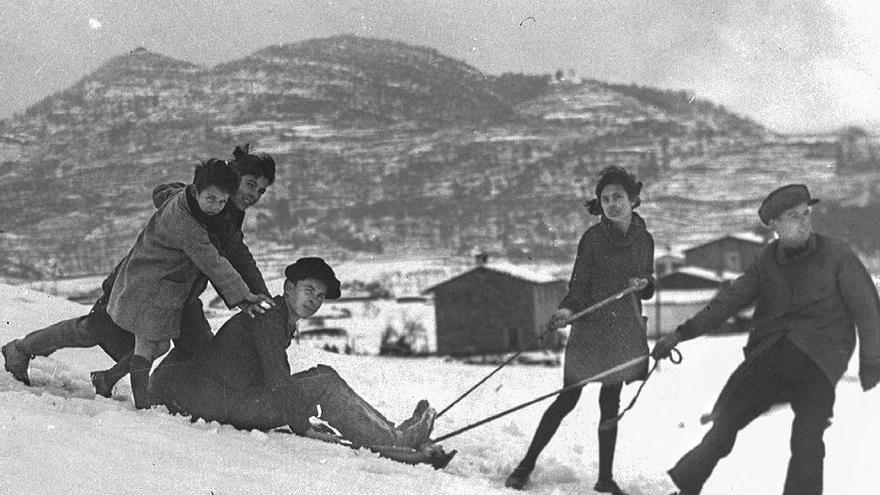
x: 810, y: 292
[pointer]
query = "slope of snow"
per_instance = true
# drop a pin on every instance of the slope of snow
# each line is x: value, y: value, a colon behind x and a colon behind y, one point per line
x: 57, y: 437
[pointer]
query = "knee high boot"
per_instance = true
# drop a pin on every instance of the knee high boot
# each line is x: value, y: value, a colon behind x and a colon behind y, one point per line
x: 140, y: 381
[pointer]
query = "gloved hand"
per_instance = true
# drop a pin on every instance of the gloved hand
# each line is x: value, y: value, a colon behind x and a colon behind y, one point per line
x: 869, y: 375
x: 560, y: 318
x: 663, y: 347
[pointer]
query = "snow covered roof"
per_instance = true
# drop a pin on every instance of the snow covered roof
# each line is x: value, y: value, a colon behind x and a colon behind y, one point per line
x: 517, y: 272
x: 749, y: 237
x: 705, y: 273
x: 521, y: 273
x: 681, y: 296
x: 673, y: 257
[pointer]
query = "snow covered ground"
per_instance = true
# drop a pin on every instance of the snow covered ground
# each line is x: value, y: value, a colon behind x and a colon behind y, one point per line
x: 57, y: 437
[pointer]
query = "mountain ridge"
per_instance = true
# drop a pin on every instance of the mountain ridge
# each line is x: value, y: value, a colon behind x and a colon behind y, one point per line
x: 382, y: 147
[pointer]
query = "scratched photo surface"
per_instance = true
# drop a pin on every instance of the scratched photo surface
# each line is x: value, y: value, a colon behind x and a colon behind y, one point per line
x: 439, y: 156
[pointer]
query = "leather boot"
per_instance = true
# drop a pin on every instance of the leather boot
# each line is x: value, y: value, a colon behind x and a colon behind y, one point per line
x: 420, y: 409
x: 105, y: 380
x: 419, y: 432
x: 16, y: 361
x: 518, y: 478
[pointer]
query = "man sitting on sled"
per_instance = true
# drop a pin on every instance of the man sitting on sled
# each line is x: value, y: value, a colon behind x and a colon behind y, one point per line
x: 243, y: 378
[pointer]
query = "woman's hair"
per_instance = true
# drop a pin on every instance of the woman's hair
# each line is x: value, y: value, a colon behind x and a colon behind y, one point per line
x: 216, y: 172
x: 615, y: 174
x: 256, y: 164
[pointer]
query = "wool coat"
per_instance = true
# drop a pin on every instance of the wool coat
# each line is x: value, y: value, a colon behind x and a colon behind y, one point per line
x: 817, y: 299
x: 606, y: 259
x: 225, y: 232
x: 226, y: 235
x: 160, y: 271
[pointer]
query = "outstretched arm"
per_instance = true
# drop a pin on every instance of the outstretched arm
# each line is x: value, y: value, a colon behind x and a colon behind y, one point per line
x: 740, y: 293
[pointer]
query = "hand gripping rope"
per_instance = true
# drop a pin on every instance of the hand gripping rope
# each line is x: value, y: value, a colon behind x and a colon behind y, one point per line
x: 674, y: 356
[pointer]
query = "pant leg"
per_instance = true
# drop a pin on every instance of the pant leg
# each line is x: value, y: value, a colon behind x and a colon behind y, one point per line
x: 184, y: 386
x: 812, y: 400
x: 113, y: 339
x: 341, y: 407
x: 753, y: 395
x: 68, y: 333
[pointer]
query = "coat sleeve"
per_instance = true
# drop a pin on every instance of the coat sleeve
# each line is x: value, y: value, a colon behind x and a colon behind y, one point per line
x: 579, y: 287
x: 243, y: 261
x: 270, y: 337
x: 860, y: 297
x: 193, y: 240
x: 729, y: 300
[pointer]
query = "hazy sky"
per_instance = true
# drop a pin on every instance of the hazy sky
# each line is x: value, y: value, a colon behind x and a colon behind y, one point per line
x: 791, y: 65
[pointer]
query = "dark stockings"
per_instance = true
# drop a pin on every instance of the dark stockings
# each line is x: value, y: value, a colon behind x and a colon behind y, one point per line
x: 609, y: 405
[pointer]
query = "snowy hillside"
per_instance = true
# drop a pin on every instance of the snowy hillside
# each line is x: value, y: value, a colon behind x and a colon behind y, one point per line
x: 56, y: 437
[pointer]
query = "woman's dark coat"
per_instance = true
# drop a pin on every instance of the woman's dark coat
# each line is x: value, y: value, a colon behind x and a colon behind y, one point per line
x: 606, y: 260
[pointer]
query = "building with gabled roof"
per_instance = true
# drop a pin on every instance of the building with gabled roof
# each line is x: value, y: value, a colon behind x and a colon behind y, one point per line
x: 730, y: 253
x: 495, y: 308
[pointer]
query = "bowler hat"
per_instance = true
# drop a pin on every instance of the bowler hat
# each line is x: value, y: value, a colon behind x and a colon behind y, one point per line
x: 782, y: 199
x: 313, y: 267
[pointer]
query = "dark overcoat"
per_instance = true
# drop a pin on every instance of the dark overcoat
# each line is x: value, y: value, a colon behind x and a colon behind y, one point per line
x: 816, y: 299
x: 606, y: 259
x: 238, y: 377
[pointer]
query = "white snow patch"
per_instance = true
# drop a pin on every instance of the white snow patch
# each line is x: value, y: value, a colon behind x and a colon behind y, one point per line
x: 56, y: 437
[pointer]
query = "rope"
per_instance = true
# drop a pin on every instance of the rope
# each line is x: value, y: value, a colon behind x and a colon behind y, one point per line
x: 579, y: 384
x: 505, y: 363
x: 604, y: 302
x: 675, y: 357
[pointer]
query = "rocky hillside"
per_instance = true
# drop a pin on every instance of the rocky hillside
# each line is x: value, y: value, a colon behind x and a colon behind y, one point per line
x: 382, y: 147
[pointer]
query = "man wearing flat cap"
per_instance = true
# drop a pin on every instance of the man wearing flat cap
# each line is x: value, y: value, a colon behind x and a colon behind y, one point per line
x: 811, y: 294
x: 243, y: 377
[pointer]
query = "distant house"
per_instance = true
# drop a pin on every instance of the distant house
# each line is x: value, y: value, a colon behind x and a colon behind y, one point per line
x: 667, y: 263
x: 681, y: 294
x: 857, y: 150
x: 731, y: 253
x: 494, y: 309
